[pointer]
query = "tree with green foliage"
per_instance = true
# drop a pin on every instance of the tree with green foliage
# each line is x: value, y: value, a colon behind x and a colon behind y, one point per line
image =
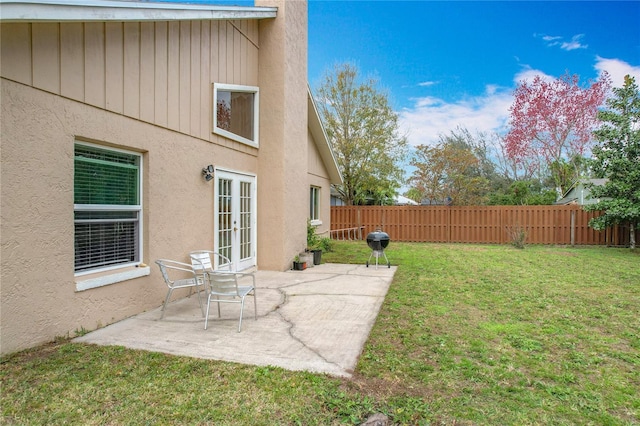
x: 565, y: 173
x: 616, y: 157
x: 364, y: 133
x: 450, y: 171
x: 414, y: 194
x: 523, y: 193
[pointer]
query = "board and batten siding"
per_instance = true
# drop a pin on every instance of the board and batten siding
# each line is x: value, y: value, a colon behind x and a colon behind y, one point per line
x: 156, y: 72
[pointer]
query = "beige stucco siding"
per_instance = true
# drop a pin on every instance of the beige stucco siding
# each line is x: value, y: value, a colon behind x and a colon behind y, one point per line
x: 157, y: 72
x: 39, y: 297
x: 283, y: 200
x: 143, y: 87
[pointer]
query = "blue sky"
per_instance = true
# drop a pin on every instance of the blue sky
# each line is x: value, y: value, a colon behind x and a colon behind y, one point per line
x: 452, y: 63
x: 446, y: 64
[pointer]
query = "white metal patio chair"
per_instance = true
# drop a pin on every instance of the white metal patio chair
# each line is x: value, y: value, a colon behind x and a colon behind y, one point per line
x: 221, y: 284
x: 179, y: 275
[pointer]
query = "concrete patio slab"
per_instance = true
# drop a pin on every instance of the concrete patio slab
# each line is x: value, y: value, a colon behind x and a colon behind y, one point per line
x: 314, y: 320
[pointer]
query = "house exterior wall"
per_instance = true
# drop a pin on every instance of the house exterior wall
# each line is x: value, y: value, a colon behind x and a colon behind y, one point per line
x: 319, y: 176
x: 157, y: 72
x: 39, y: 298
x: 283, y: 199
x: 144, y: 87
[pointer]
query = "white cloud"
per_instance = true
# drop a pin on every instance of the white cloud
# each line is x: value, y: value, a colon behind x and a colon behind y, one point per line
x: 528, y: 74
x: 492, y: 89
x: 551, y: 39
x: 427, y: 83
x: 617, y: 69
x: 431, y: 117
x: 574, y: 43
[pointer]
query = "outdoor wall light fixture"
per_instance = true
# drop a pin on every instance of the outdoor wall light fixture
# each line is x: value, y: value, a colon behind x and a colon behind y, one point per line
x: 208, y: 172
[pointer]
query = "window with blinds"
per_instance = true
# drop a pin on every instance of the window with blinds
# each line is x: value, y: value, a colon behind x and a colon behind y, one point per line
x: 314, y: 205
x: 106, y: 208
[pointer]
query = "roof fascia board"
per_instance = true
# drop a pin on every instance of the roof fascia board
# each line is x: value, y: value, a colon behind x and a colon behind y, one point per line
x: 322, y: 141
x: 122, y: 11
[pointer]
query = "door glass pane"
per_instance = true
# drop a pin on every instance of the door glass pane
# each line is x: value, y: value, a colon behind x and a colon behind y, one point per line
x: 245, y: 220
x: 225, y: 224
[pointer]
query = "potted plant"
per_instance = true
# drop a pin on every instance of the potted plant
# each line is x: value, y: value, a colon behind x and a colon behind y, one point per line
x: 307, y: 257
x: 317, y: 256
x: 325, y: 244
x: 315, y: 244
x: 298, y: 265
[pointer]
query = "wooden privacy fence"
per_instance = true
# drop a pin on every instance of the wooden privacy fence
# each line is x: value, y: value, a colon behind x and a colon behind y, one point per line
x: 478, y: 224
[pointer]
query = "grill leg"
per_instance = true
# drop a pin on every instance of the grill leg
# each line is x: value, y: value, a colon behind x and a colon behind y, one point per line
x: 376, y: 254
x: 385, y: 258
x: 370, y: 259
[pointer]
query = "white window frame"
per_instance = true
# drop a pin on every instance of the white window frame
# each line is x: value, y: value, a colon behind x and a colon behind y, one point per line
x: 314, y: 205
x: 255, y: 142
x: 124, y: 275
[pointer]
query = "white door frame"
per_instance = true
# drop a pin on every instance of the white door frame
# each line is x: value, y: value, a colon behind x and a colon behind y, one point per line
x: 235, y: 231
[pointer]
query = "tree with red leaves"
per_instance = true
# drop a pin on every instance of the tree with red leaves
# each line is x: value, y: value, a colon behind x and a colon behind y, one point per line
x: 551, y: 124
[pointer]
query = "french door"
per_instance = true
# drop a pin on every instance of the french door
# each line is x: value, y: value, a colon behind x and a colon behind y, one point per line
x: 235, y: 207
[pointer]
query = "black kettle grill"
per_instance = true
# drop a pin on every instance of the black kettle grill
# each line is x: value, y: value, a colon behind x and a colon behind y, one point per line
x: 378, y: 241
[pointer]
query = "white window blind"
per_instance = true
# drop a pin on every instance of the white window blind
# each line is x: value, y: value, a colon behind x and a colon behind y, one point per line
x: 106, y: 208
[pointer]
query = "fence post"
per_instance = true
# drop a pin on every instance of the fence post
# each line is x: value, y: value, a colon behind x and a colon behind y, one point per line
x: 573, y: 228
x: 448, y: 224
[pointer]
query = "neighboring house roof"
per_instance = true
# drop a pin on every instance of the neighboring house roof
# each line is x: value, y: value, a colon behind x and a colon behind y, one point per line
x: 104, y: 10
x: 335, y: 198
x: 322, y: 141
x: 402, y: 200
x: 578, y: 193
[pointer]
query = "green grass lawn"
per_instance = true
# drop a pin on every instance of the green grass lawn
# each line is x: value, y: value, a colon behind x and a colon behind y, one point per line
x: 468, y: 334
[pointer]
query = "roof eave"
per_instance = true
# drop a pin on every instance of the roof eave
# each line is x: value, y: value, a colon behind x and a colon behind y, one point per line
x: 122, y: 11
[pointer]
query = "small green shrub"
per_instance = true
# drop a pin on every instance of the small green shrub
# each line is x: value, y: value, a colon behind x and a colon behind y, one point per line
x: 315, y: 242
x: 312, y: 238
x: 325, y: 244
